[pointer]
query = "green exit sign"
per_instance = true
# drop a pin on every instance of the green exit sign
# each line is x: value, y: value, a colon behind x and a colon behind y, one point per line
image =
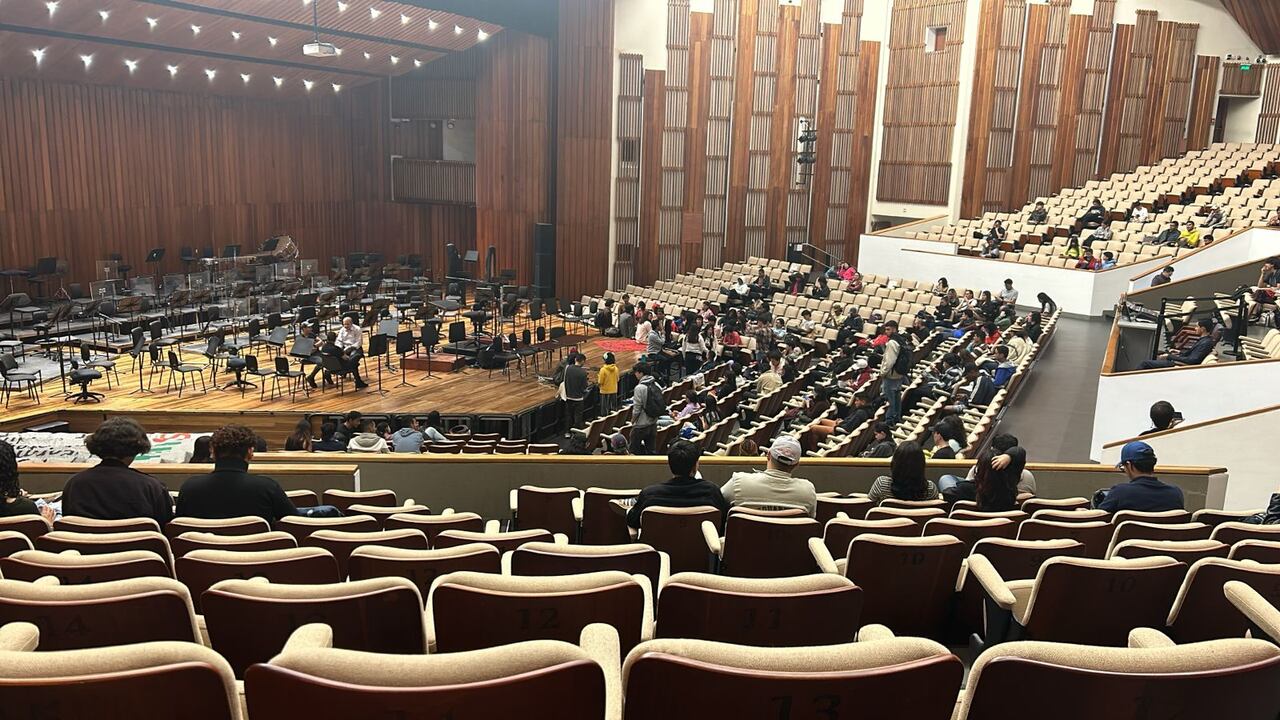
x: 1246, y: 68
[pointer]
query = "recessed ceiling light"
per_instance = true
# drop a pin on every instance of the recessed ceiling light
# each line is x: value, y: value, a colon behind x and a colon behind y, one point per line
x: 481, y: 35
x: 246, y: 77
x: 195, y: 29
x: 404, y: 19
x: 235, y: 34
x: 337, y: 88
x: 367, y: 55
x: 342, y: 7
x: 308, y: 84
x: 432, y: 24
x: 152, y: 22
x: 210, y: 73
x: 173, y: 69
x: 52, y: 6
x: 278, y: 80
x: 374, y: 13
x: 457, y: 29
x: 38, y: 54
x: 417, y: 62
x: 87, y: 60
x: 272, y: 40
x: 131, y: 64
x: 104, y: 14
x: 395, y: 60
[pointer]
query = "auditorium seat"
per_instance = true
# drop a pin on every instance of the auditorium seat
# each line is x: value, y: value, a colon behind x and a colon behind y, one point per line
x: 250, y: 620
x: 383, y: 513
x: 1165, y: 517
x: 819, y: 609
x: 543, y: 558
x: 601, y: 524
x: 74, y: 523
x: 535, y: 680
x: 1014, y: 560
x: 422, y: 567
x: 970, y: 532
x: 854, y: 508
x: 760, y: 546
x: 1186, y: 551
x: 1233, y: 532
x: 101, y: 614
x: 273, y: 540
x: 920, y: 515
x: 1081, y: 600
x: 912, y: 504
x: 678, y: 533
x: 1031, y: 505
x: 1263, y: 551
x: 33, y: 526
x: 547, y: 508
x: 907, y: 582
x: 1202, y: 610
x: 57, y: 541
x: 1151, y: 678
x: 503, y: 541
x: 1217, y: 517
x: 302, y: 498
x: 146, y: 680
x: 904, y: 678
x: 433, y: 525
x: 1014, y: 516
x: 1079, y: 515
x: 1143, y: 530
x: 12, y: 541
x: 200, y: 570
x: 343, y: 499
x: 75, y: 569
x: 1095, y: 536
x: 246, y: 525
x: 840, y: 532
x: 300, y: 527
x: 468, y: 610
x: 340, y: 543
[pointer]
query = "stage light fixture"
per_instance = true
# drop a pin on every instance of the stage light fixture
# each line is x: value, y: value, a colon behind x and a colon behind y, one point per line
x: 272, y: 40
x: 245, y: 78
x: 457, y: 29
x: 195, y: 29
x: 173, y: 70
x: 374, y: 13
x: 405, y: 19
x: 278, y: 81
x: 308, y: 84
x: 417, y: 63
x: 481, y: 35
x: 395, y: 60
x: 52, y: 7
x: 432, y: 24
x: 235, y: 34
x: 38, y: 54
x: 337, y: 87
x: 132, y: 65
x: 152, y: 22
x: 104, y: 14
x: 87, y: 60
x: 210, y: 73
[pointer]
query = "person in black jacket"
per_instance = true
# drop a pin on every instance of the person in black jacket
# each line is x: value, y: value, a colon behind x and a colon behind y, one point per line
x: 230, y: 491
x: 1193, y: 355
x: 111, y: 490
x: 684, y: 489
x: 328, y: 439
x: 575, y: 391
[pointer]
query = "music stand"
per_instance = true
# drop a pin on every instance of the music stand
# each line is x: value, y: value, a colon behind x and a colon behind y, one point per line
x: 153, y: 258
x: 378, y: 346
x: 231, y: 251
x: 388, y: 328
x: 430, y: 338
x: 405, y: 343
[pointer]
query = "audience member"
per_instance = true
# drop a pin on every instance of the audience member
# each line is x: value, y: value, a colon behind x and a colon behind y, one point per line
x: 16, y: 501
x: 1002, y: 443
x: 575, y: 387
x: 349, y: 427
x: 892, y: 372
x: 647, y: 405
x: 1163, y: 417
x: 1194, y: 355
x: 1094, y: 216
x: 906, y: 480
x: 407, y: 438
x: 774, y: 487
x: 1163, y: 277
x: 1169, y: 236
x: 1108, y: 260
x: 1138, y: 213
x: 607, y: 380
x: 1190, y: 235
x: 1143, y: 491
x: 1009, y: 295
x: 994, y: 486
x: 685, y: 489
x: 230, y: 490
x: 111, y: 490
x: 1038, y: 215
x: 329, y: 439
x: 300, y: 438
x: 201, y: 451
x: 881, y: 445
x: 368, y: 440
x: 1047, y: 306
x: 1087, y: 261
x: 431, y: 430
x: 947, y: 440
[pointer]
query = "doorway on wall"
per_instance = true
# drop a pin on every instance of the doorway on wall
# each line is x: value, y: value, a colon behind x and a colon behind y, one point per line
x: 1235, y: 120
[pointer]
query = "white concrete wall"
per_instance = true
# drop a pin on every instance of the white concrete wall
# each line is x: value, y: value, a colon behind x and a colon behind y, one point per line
x: 1232, y: 444
x: 1251, y: 245
x: 1242, y: 120
x: 1200, y: 393
x: 1075, y: 291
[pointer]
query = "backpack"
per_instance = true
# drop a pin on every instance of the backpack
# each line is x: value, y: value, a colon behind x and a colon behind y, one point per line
x: 902, y: 365
x: 654, y: 407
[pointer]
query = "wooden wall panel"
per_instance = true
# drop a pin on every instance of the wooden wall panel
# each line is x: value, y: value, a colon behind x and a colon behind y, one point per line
x: 1179, y: 73
x: 820, y: 202
x: 1247, y: 83
x: 808, y: 67
x: 1269, y: 117
x: 671, y: 221
x: 1044, y: 63
x: 695, y: 166
x: 626, y: 193
x: 584, y: 143
x: 1135, y: 102
x: 1073, y: 79
x: 1020, y: 177
x: 654, y: 118
x: 838, y: 128
x: 764, y: 105
x: 740, y: 129
x: 1204, y: 102
x: 1115, y: 100
x: 719, y: 120
x: 864, y: 131
x: 989, y: 156
x: 88, y: 169
x: 783, y: 122
x: 920, y: 103
x: 1092, y: 95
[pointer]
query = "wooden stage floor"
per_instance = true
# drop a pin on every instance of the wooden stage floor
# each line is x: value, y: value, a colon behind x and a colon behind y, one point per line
x: 468, y: 391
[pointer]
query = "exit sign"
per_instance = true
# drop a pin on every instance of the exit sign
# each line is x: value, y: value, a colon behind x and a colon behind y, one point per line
x: 1246, y: 68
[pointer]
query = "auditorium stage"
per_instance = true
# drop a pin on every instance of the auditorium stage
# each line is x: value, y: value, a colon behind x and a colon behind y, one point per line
x: 469, y: 391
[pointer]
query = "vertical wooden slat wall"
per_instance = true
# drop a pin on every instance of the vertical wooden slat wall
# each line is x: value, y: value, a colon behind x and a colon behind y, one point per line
x: 1092, y: 95
x: 1269, y: 117
x: 584, y: 144
x: 91, y: 169
x: 820, y: 204
x: 1204, y: 102
x: 840, y: 105
x: 740, y: 129
x: 808, y: 67
x: 764, y: 105
x: 864, y: 133
x: 1065, y: 140
x: 1115, y: 100
x: 1135, y: 105
x: 1180, y: 69
x: 675, y: 123
x: 1242, y: 82
x: 626, y: 217
x: 920, y: 103
x: 1042, y: 71
x: 720, y: 81
x: 989, y: 157
x: 655, y: 106
x: 695, y: 171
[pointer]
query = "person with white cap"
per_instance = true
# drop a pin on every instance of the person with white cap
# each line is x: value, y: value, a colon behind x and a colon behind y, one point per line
x: 775, y: 486
x: 1143, y: 491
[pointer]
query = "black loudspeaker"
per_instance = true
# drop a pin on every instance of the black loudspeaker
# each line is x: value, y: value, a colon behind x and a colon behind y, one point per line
x: 544, y: 260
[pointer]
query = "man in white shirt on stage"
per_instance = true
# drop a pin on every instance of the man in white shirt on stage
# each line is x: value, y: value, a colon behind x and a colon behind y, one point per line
x: 350, y: 338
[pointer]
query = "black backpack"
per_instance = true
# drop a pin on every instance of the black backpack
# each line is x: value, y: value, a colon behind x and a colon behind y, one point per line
x: 654, y: 406
x: 902, y: 365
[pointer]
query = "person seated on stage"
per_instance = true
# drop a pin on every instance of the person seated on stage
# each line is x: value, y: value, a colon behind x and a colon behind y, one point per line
x: 328, y: 441
x: 350, y: 338
x: 230, y: 490
x: 349, y: 427
x: 643, y: 326
x: 111, y: 490
x: 368, y: 440
x: 604, y: 318
x: 408, y: 438
x: 1038, y: 215
x: 350, y: 360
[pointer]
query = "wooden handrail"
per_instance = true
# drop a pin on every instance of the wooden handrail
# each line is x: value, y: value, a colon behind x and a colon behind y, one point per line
x: 887, y: 230
x: 1180, y: 258
x: 1194, y: 426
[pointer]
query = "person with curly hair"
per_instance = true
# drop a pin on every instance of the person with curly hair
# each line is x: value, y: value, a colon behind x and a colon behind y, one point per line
x: 111, y: 490
x: 16, y: 501
x: 230, y: 490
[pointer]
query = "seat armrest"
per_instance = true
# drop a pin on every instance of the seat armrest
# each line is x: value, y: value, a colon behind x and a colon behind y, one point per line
x: 560, y: 539
x: 996, y: 588
x: 1148, y: 638
x: 600, y: 642
x: 493, y: 526
x: 577, y: 508
x: 1262, y: 615
x: 506, y: 562
x: 448, y: 511
x: 511, y: 500
x: 822, y: 556
x: 715, y: 543
x: 875, y: 632
x: 311, y: 635
x: 19, y: 637
x: 47, y: 580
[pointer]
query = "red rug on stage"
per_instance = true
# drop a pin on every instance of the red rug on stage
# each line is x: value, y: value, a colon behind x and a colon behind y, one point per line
x: 619, y: 345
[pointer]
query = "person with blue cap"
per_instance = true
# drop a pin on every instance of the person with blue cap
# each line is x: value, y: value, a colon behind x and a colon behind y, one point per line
x: 1143, y: 491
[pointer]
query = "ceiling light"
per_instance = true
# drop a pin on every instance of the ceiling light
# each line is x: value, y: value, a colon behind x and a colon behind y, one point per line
x: 308, y: 84
x: 374, y: 13
x: 278, y: 80
x: 457, y: 29
x: 367, y: 55
x: 210, y: 73
x: 195, y: 29
x: 272, y: 40
x: 395, y: 60
x: 38, y: 54
x: 404, y: 19
x: 235, y: 34
x: 104, y: 14
x: 417, y: 62
x: 52, y: 7
x: 338, y: 50
x: 173, y: 69
x: 87, y: 60
x: 152, y: 22
x: 131, y: 64
x: 342, y: 7
x: 481, y: 35
x: 245, y: 77
x: 432, y: 24
x: 337, y: 88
